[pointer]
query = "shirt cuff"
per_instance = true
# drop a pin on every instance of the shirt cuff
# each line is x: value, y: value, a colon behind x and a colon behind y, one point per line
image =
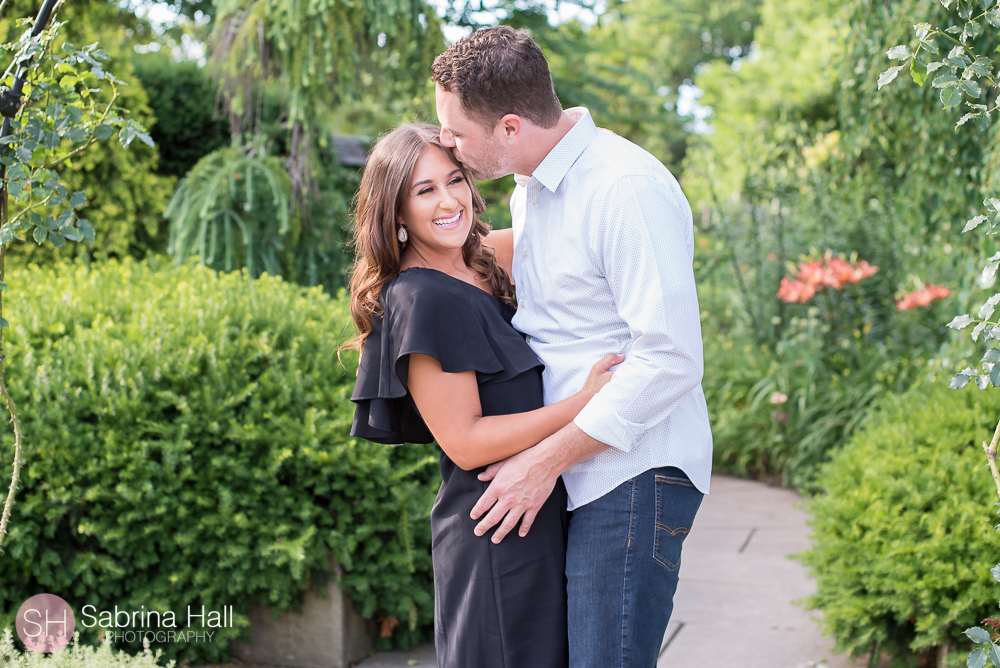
x: 599, y: 421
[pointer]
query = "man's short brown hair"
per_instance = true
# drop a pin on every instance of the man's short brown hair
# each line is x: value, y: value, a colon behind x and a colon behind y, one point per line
x: 499, y: 71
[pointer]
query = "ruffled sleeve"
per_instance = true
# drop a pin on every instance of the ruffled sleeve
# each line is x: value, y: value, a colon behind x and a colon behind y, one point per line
x: 433, y: 314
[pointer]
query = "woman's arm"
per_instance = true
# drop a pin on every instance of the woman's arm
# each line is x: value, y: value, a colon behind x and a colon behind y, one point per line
x: 502, y: 241
x: 449, y: 405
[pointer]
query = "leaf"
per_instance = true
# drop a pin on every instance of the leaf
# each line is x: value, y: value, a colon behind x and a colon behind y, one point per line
x: 993, y: 356
x: 989, y: 272
x: 983, y: 67
x: 918, y: 71
x: 993, y: 17
x: 4, y: 323
x: 67, y: 216
x: 962, y: 121
x: 103, y: 131
x: 977, y: 330
x: 889, y: 75
x: 982, y: 382
x: 995, y: 374
x: 78, y: 199
x: 974, y: 223
x: 57, y: 239
x: 972, y: 29
x: 951, y: 95
x: 71, y: 233
x: 978, y: 635
x: 986, y: 4
x: 86, y: 230
x: 994, y: 654
x: 977, y: 658
x: 934, y: 67
x: 983, y: 121
x: 943, y: 80
x: 986, y: 310
x: 960, y: 322
x: 958, y: 381
x: 76, y: 134
x: 971, y: 88
x: 127, y: 134
x: 901, y: 52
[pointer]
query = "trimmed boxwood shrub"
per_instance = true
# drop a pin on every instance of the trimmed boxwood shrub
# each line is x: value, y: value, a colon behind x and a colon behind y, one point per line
x: 187, y: 444
x: 903, y: 531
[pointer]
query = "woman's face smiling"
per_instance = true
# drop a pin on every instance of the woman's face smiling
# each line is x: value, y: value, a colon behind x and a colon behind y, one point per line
x: 438, y: 212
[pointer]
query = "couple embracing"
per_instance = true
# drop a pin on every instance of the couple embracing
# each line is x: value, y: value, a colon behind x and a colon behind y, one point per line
x: 574, y: 432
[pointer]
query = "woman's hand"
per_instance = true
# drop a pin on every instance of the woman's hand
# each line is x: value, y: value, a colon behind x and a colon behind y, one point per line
x: 600, y: 374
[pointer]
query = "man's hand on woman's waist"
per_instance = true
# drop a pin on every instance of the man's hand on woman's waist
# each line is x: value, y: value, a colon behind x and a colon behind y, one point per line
x: 522, y: 483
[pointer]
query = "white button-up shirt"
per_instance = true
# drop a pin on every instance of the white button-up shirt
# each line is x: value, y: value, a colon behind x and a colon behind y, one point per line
x: 603, y: 251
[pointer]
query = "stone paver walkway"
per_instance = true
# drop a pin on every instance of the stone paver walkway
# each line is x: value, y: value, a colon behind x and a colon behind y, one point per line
x: 734, y: 605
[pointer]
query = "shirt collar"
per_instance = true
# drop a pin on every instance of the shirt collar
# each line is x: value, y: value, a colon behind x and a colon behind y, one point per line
x: 553, y: 168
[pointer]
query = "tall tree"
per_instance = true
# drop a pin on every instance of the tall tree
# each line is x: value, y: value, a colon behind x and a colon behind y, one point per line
x: 291, y: 73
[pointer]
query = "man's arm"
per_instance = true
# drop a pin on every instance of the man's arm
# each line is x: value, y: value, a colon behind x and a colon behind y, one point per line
x: 645, y: 248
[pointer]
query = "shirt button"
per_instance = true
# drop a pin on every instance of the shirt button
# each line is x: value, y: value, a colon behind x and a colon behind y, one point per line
x: 525, y: 253
x: 522, y: 304
x: 528, y: 338
x: 533, y: 201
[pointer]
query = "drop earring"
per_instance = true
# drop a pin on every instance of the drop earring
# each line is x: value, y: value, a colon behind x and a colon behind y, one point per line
x: 402, y: 235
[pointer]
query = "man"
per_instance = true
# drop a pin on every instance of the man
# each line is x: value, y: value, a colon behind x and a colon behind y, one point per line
x: 601, y: 248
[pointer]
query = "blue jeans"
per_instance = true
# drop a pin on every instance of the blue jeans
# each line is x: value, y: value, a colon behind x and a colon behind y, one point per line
x: 623, y: 556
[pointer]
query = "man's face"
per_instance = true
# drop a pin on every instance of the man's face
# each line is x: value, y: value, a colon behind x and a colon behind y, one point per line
x: 478, y: 149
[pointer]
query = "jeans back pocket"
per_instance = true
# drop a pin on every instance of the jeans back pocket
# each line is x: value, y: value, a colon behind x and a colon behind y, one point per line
x: 677, y: 502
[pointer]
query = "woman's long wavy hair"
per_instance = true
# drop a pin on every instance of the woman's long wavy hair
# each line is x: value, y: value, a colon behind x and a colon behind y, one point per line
x: 384, y: 188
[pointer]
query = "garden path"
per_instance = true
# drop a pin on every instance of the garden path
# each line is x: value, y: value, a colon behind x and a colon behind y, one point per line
x: 735, y: 603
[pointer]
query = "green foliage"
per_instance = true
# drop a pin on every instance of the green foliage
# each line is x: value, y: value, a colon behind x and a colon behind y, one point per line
x: 902, y: 533
x: 292, y: 73
x: 183, y: 101
x: 188, y: 443
x: 627, y: 69
x: 808, y: 156
x: 126, y: 196
x: 74, y: 655
x: 219, y: 195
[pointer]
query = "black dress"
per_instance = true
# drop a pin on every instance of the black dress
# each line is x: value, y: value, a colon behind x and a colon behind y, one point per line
x: 501, y: 606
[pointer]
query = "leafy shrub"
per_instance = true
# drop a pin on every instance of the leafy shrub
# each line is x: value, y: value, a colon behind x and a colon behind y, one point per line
x: 74, y: 655
x: 183, y: 102
x: 903, y: 536
x: 187, y: 444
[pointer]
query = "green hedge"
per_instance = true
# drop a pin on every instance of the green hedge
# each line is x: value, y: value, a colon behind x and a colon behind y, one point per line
x: 903, y: 531
x: 188, y: 443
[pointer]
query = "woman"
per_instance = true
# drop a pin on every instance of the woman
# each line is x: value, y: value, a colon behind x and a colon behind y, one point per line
x: 441, y: 361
